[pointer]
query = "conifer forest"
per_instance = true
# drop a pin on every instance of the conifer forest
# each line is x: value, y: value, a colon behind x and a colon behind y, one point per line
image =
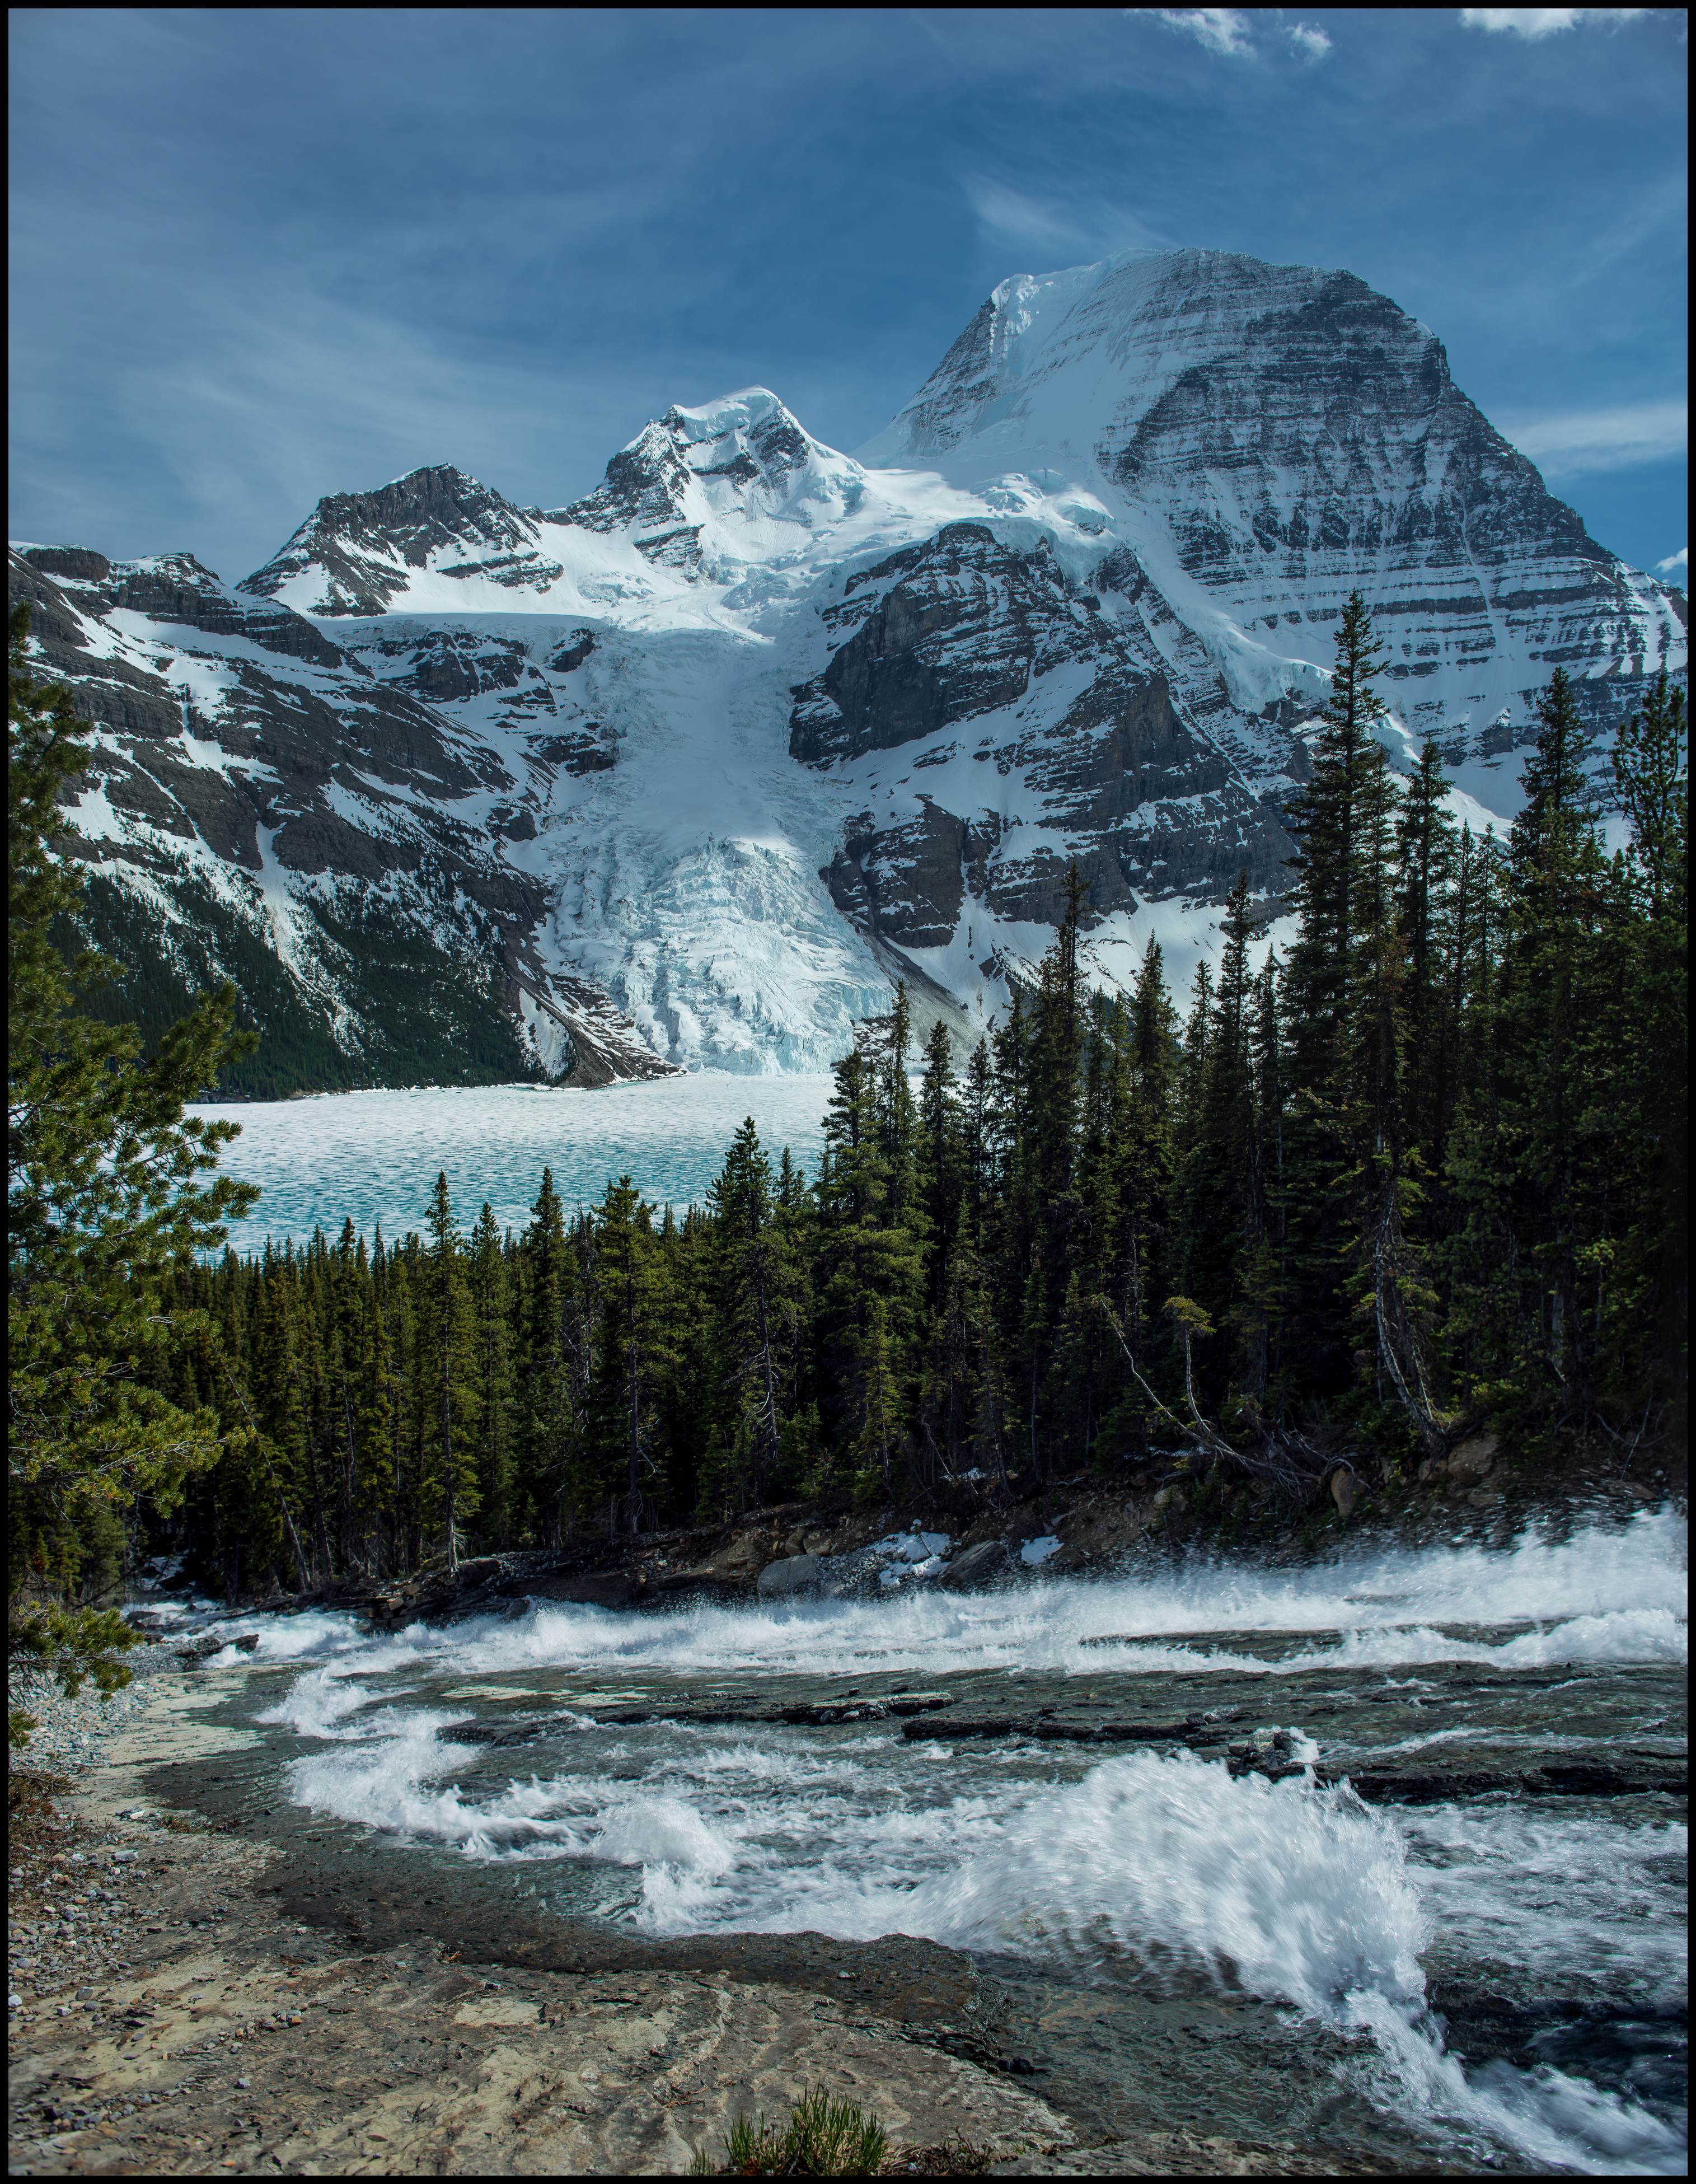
x: 1423, y: 1168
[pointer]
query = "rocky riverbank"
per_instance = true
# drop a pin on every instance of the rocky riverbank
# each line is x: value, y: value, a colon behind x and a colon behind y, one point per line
x: 976, y: 1535
x: 176, y: 2009
x: 170, y: 2016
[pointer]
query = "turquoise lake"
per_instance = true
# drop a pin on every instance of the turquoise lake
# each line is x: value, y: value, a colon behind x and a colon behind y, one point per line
x: 375, y: 1155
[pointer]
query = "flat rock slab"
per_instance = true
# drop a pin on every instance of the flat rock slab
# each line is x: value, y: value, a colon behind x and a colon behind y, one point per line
x: 399, y: 2067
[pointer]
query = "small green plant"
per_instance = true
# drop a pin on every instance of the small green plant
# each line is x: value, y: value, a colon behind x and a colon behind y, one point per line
x: 823, y: 2138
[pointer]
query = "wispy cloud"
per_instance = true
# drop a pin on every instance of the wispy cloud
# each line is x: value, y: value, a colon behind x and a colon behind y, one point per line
x: 1676, y: 565
x: 1230, y: 30
x: 1544, y: 22
x: 1070, y: 227
x: 1221, y: 29
x: 1581, y: 442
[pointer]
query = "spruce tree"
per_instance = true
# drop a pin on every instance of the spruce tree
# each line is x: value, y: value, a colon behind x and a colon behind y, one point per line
x: 756, y: 1313
x: 1651, y: 1281
x: 446, y: 1385
x: 1428, y: 848
x: 109, y: 1188
x: 544, y: 1410
x: 629, y: 1280
x: 491, y: 1375
x: 1339, y: 818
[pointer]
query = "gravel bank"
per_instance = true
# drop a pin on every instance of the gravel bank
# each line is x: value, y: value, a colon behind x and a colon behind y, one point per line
x: 71, y: 1736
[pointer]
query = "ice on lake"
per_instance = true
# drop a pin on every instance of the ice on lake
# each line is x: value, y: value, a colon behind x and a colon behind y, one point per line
x: 374, y: 1155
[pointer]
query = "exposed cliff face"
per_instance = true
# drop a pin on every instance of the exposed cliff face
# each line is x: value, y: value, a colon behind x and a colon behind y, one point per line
x: 756, y: 725
x: 1265, y: 438
x: 261, y: 805
x: 357, y: 550
x: 1071, y: 725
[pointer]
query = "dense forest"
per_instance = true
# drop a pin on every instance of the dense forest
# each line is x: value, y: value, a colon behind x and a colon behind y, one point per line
x: 1425, y: 1169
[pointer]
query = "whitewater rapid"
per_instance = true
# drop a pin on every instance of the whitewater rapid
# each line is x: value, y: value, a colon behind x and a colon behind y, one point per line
x: 1142, y: 1864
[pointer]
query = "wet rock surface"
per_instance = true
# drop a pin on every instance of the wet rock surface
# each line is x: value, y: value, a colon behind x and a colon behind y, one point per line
x: 1142, y: 2053
x: 301, y: 1999
x: 639, y: 1811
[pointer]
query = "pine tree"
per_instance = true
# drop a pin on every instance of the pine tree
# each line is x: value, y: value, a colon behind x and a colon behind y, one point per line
x: 491, y: 1375
x: 109, y: 1188
x: 544, y: 1419
x: 445, y: 1384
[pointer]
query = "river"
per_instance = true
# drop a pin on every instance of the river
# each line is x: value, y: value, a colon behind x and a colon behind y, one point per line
x: 1492, y: 1979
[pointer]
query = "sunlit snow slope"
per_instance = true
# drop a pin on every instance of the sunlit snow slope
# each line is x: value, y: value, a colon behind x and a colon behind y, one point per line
x: 757, y: 726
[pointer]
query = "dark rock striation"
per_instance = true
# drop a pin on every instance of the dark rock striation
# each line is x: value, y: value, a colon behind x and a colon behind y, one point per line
x: 260, y: 805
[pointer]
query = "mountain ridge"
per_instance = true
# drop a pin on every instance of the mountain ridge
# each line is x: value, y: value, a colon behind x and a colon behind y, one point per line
x: 755, y: 724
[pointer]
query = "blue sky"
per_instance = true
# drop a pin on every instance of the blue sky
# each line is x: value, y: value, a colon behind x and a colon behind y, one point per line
x: 261, y: 255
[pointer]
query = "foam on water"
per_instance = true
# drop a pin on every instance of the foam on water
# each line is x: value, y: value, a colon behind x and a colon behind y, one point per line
x: 1570, y: 1900
x: 1606, y: 1594
x: 1297, y: 1894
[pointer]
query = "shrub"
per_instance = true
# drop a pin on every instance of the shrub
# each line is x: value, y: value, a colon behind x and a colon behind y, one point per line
x: 823, y: 2138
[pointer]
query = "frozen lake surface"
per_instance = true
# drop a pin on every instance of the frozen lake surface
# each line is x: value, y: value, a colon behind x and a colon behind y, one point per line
x: 374, y: 1155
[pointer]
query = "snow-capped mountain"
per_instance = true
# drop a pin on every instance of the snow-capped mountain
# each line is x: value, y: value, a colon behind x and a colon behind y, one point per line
x: 687, y: 770
x: 264, y: 807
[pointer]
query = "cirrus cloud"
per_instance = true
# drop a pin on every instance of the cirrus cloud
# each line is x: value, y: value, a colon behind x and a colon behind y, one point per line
x: 1221, y: 29
x: 1578, y: 443
x: 1231, y: 31
x: 1544, y: 22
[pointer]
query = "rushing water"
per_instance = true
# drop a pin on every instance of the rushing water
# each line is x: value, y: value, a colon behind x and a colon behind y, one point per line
x: 374, y: 1156
x: 1140, y: 1865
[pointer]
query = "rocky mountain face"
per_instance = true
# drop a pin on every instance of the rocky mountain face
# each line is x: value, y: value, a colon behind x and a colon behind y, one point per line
x: 263, y: 806
x: 685, y: 771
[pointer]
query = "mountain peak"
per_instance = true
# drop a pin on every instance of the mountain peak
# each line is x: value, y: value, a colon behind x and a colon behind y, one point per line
x: 1052, y: 361
x: 745, y: 456
x: 354, y: 552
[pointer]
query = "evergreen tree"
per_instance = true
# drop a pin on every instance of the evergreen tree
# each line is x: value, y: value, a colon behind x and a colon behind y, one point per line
x: 109, y: 1188
x: 756, y: 1312
x: 544, y: 1410
x: 1334, y: 1012
x: 629, y: 1277
x: 445, y: 1378
x: 1427, y: 884
x: 491, y: 1376
x: 1376, y: 1193
x: 1650, y: 1280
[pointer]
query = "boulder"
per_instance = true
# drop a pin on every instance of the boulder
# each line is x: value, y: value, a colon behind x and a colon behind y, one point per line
x: 975, y: 1569
x: 588, y: 1589
x: 1474, y: 1456
x: 742, y: 1560
x: 792, y: 1578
